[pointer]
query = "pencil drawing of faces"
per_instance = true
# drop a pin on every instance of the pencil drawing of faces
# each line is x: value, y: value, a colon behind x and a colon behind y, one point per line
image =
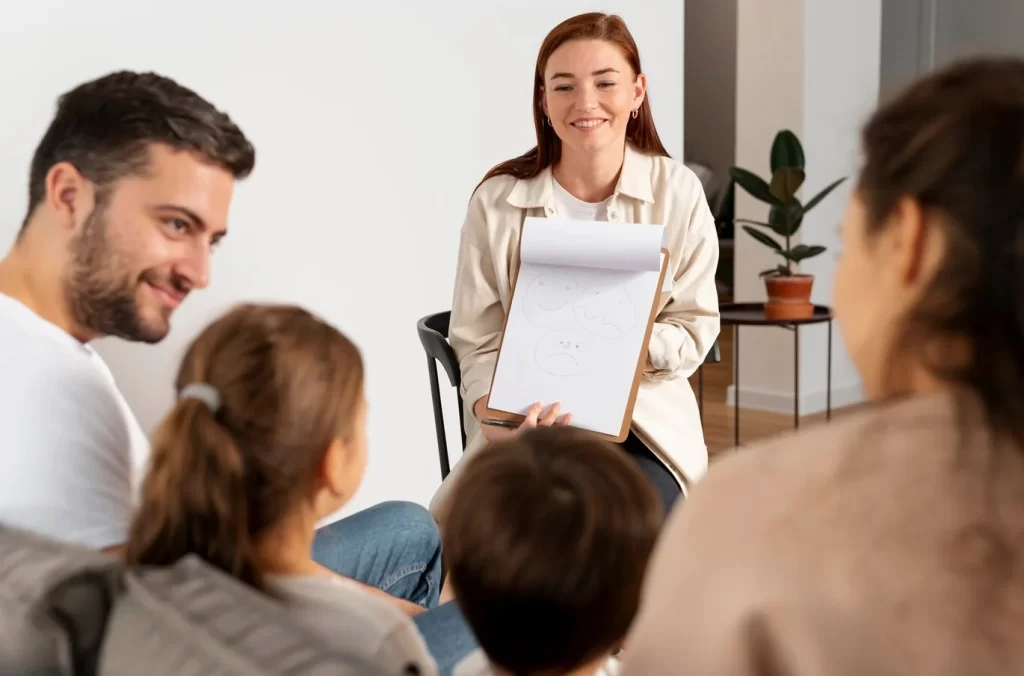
x: 565, y: 352
x: 605, y: 311
x: 549, y: 298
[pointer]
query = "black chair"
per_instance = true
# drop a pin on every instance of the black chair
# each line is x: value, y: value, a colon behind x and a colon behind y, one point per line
x: 433, y: 332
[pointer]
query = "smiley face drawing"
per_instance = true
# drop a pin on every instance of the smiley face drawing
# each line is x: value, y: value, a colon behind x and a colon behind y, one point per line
x: 565, y: 352
x: 549, y: 298
x: 605, y: 311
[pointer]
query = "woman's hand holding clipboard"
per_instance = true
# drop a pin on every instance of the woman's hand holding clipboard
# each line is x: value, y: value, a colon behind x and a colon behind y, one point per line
x: 495, y: 429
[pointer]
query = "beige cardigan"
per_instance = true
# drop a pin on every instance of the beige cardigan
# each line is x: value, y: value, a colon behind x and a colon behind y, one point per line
x: 888, y: 543
x: 650, y: 189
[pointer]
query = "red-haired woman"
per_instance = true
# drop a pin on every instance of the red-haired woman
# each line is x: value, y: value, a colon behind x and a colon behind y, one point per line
x: 598, y: 157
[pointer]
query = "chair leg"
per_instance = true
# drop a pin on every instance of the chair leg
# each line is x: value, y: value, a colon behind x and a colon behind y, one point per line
x: 462, y: 421
x: 442, y: 441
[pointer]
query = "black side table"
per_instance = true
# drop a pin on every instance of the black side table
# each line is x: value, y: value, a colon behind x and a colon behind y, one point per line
x: 752, y: 314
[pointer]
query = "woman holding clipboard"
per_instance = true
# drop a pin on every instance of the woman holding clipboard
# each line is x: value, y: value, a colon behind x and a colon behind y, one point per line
x: 599, y: 158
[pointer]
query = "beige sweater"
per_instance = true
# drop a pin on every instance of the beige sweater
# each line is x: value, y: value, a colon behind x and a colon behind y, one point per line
x: 891, y: 542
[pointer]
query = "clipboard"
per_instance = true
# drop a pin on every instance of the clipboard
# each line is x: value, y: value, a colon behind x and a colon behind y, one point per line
x: 627, y: 414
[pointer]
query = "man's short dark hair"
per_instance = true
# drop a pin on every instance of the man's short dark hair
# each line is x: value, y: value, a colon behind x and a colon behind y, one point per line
x: 105, y: 127
x: 547, y: 538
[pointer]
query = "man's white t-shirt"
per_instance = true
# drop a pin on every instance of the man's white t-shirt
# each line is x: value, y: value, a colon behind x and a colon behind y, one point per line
x: 70, y: 448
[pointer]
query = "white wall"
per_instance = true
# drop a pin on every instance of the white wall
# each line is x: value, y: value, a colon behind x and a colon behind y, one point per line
x: 813, y: 67
x: 372, y: 122
x: 842, y: 51
x: 769, y: 97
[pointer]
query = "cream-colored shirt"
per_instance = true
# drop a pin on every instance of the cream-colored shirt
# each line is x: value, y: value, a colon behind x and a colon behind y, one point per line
x: 890, y: 542
x: 650, y: 189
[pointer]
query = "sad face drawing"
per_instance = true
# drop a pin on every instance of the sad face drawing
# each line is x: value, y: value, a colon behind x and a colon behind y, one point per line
x: 565, y: 353
x: 605, y: 311
x: 549, y: 298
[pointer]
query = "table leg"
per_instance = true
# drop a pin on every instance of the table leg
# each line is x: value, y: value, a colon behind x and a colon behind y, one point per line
x: 796, y: 376
x: 736, y: 386
x: 828, y: 387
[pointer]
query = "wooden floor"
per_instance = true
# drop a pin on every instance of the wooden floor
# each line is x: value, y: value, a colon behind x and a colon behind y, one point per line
x: 718, y: 416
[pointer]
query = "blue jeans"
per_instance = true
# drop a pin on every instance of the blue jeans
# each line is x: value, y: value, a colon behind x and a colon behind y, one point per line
x: 396, y: 546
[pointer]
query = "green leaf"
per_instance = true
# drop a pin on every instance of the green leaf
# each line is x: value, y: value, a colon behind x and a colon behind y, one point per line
x: 777, y: 270
x: 802, y: 252
x: 787, y: 153
x: 823, y: 194
x: 785, y: 183
x: 763, y: 238
x: 741, y: 221
x: 753, y: 184
x: 777, y: 218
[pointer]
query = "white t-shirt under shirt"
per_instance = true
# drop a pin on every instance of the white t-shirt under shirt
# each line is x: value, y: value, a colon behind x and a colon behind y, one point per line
x: 354, y: 620
x: 571, y: 207
x: 70, y: 448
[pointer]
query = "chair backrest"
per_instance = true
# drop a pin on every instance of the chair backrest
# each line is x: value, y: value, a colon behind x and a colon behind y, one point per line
x: 69, y: 611
x: 191, y: 619
x: 34, y: 639
x: 433, y: 333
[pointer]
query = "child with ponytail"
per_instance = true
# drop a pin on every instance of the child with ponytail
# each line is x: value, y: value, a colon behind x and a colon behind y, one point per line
x: 267, y: 437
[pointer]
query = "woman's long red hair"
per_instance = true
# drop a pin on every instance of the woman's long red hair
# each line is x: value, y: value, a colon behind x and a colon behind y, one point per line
x: 640, y: 131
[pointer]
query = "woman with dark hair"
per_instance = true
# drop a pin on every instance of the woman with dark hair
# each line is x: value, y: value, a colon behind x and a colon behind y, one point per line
x: 598, y: 158
x: 891, y: 542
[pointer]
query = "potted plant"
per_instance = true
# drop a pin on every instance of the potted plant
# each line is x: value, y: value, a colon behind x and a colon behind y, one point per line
x: 789, y: 293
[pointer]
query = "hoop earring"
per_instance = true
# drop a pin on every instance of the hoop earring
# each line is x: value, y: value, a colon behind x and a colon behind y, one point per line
x: 636, y: 113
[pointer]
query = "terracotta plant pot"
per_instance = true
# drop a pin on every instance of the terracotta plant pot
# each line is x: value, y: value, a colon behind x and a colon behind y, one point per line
x: 789, y: 297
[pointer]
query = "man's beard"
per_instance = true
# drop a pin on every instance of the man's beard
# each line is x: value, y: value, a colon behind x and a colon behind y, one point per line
x: 100, y: 293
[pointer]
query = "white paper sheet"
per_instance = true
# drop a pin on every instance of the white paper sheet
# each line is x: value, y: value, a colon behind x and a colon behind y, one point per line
x: 578, y: 319
x: 592, y: 244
